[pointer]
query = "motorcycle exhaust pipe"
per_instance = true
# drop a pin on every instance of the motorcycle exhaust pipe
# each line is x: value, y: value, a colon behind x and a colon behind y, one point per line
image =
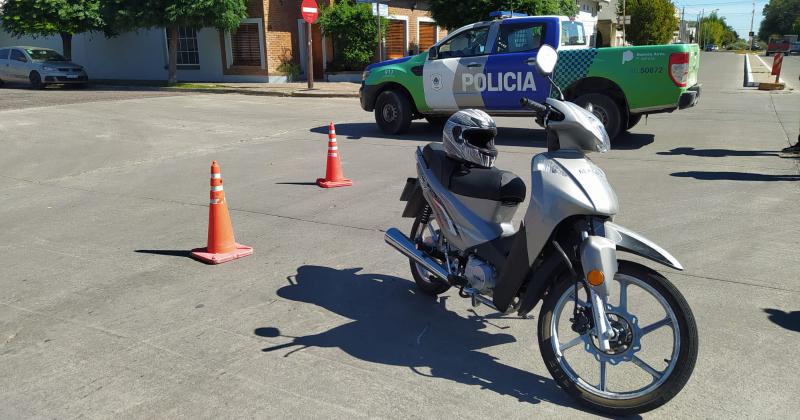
x: 400, y: 242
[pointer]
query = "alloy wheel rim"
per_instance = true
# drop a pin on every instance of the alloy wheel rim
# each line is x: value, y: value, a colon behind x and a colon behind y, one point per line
x: 625, y: 356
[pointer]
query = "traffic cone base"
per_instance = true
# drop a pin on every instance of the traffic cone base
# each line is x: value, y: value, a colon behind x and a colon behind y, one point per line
x: 203, y: 255
x: 344, y: 182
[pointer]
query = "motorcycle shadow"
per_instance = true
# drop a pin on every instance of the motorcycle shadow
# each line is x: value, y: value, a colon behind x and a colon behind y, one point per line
x: 393, y: 324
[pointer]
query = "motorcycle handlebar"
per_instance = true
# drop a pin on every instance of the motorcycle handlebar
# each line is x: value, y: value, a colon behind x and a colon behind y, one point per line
x: 533, y: 105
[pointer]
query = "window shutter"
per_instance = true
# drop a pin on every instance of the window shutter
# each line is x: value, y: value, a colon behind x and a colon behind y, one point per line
x: 245, y: 45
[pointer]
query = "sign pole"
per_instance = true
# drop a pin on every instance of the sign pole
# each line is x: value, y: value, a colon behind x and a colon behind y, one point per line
x: 380, y: 37
x: 310, y: 12
x: 309, y: 58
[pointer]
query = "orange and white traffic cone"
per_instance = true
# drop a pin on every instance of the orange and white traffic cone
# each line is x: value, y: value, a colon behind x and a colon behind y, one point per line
x: 221, y: 246
x: 333, y: 175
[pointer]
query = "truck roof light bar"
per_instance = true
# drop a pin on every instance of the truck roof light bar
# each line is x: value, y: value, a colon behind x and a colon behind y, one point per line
x: 505, y: 14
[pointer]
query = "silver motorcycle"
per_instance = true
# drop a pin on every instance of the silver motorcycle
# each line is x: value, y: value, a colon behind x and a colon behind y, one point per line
x: 614, y: 334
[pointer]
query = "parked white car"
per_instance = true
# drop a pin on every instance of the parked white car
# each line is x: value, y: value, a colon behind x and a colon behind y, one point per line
x: 39, y: 67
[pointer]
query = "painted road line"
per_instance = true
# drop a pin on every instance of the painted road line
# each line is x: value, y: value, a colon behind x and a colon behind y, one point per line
x: 748, y: 73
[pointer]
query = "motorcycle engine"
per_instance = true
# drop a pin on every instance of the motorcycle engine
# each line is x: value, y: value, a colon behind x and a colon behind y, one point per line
x: 480, y: 274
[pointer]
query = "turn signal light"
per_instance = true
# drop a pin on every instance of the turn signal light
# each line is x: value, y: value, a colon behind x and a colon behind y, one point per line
x: 595, y: 277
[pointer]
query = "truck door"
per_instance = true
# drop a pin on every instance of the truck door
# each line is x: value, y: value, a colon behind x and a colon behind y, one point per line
x: 449, y: 80
x: 511, y: 72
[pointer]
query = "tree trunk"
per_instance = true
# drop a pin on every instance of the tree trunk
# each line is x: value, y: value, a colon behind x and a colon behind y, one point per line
x: 173, y: 54
x: 66, y: 43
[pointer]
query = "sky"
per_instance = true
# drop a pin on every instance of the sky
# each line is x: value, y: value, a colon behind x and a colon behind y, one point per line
x: 736, y: 12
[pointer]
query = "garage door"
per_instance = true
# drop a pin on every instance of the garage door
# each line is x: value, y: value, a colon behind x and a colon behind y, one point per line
x: 427, y: 35
x: 396, y: 39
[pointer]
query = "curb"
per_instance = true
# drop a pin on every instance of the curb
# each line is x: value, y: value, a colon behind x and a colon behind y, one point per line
x: 301, y: 93
x: 748, y: 73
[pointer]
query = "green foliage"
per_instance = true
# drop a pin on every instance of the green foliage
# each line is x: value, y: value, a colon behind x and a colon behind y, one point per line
x: 714, y: 30
x: 453, y: 14
x: 51, y: 17
x: 781, y: 17
x: 225, y: 15
x: 354, y: 30
x: 652, y: 21
x: 291, y: 69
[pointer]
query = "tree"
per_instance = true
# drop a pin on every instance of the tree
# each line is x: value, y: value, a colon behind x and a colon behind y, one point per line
x: 454, y: 14
x: 652, y: 21
x: 224, y: 15
x: 51, y: 17
x: 354, y: 30
x: 780, y: 17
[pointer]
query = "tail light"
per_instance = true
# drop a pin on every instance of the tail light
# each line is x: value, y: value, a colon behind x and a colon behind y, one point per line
x: 679, y: 68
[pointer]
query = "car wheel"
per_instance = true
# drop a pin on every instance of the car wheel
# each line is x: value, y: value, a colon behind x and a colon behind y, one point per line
x: 393, y: 112
x: 606, y: 109
x: 36, y: 80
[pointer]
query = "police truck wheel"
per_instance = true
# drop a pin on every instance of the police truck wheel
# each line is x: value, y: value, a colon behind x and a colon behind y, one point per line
x: 634, y: 119
x: 393, y: 112
x: 606, y: 109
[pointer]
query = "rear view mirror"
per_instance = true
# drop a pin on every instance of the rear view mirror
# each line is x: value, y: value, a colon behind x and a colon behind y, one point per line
x: 433, y: 53
x: 546, y: 60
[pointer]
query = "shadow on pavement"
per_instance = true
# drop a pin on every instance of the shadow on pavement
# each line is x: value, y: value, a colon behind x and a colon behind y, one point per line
x: 788, y: 320
x: 166, y: 252
x: 734, y: 176
x: 506, y: 136
x: 691, y: 151
x: 395, y: 325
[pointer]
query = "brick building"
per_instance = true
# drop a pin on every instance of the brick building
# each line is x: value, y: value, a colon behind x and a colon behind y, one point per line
x: 273, y: 33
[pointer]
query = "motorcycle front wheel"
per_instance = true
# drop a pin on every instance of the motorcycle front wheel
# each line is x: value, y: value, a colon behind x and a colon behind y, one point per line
x: 651, y: 357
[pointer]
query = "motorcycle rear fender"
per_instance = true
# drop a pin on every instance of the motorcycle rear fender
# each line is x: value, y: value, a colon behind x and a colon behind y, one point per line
x: 630, y: 241
x: 412, y: 195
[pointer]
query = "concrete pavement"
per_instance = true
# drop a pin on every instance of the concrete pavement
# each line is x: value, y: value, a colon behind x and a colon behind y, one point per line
x: 104, y: 315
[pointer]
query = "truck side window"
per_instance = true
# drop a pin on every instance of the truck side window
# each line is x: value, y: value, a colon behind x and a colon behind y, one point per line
x: 469, y: 43
x: 4, y: 54
x: 572, y: 33
x: 520, y: 37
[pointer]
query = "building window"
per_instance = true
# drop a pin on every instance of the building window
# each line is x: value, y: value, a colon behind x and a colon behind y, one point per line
x: 188, y: 53
x: 246, y: 46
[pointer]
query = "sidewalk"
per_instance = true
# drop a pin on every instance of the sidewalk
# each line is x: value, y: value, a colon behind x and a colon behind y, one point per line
x: 321, y: 89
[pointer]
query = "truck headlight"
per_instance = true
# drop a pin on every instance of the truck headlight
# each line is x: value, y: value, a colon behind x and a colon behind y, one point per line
x: 48, y: 68
x: 365, y: 75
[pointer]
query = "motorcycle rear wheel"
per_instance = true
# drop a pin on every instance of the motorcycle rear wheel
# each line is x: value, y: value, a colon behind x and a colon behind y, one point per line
x: 581, y: 386
x: 427, y: 283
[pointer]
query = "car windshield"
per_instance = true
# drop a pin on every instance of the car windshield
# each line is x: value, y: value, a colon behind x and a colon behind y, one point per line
x: 45, y: 55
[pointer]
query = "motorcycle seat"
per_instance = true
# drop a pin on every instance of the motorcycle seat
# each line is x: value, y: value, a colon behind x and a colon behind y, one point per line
x: 482, y: 183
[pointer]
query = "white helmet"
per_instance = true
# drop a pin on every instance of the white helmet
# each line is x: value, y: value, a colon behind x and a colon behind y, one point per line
x: 469, y: 137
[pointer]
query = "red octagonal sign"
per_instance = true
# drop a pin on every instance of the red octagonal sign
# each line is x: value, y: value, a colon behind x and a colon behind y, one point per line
x: 309, y: 10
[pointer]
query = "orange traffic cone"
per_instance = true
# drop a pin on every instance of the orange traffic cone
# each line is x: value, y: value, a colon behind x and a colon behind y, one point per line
x: 221, y: 245
x: 333, y: 175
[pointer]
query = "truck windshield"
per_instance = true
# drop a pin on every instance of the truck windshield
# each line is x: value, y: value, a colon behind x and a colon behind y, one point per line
x: 572, y: 33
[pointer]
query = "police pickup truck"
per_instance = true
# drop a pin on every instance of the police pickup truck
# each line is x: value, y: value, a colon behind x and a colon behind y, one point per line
x: 490, y: 65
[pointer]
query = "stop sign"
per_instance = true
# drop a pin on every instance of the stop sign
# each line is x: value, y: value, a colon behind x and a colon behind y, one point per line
x: 309, y: 10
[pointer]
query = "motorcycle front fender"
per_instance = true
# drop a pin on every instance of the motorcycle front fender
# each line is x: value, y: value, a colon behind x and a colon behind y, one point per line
x: 630, y: 241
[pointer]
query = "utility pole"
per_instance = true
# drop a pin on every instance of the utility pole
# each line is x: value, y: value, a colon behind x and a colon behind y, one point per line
x: 752, y: 18
x: 681, y: 29
x: 380, y: 36
x: 624, y: 13
x: 700, y: 29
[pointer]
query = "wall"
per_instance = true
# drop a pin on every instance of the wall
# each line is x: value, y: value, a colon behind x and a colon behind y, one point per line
x: 132, y: 56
